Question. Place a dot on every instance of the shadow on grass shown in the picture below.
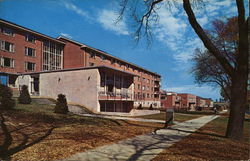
(8, 148)
(197, 132)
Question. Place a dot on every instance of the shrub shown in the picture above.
(151, 107)
(6, 101)
(61, 104)
(139, 107)
(24, 97)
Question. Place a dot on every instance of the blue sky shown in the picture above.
(93, 22)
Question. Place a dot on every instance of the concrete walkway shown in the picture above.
(143, 147)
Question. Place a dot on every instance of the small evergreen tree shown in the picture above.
(6, 101)
(151, 107)
(24, 97)
(61, 104)
(139, 107)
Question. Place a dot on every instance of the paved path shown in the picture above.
(143, 147)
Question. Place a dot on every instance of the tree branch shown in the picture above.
(205, 39)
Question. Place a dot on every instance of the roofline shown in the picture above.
(75, 69)
(29, 30)
(105, 53)
(9, 73)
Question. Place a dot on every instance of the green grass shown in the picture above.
(177, 116)
(35, 108)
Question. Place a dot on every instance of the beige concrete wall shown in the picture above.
(24, 80)
(80, 87)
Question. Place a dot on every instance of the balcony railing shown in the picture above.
(115, 96)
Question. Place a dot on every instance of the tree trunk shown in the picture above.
(238, 106)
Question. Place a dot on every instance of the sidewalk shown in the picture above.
(143, 147)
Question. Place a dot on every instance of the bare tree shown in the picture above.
(207, 70)
(144, 13)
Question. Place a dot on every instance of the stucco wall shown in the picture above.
(80, 87)
(24, 80)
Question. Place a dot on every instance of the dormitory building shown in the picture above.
(87, 76)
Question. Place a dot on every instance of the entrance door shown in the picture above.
(3, 79)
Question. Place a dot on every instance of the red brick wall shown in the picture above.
(73, 56)
(19, 53)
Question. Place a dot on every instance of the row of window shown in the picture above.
(10, 63)
(145, 87)
(28, 37)
(145, 80)
(10, 47)
(120, 64)
(143, 95)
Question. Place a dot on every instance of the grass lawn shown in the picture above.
(209, 143)
(34, 132)
(177, 116)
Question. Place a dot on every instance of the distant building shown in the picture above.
(184, 101)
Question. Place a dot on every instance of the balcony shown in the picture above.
(123, 96)
(157, 79)
(157, 85)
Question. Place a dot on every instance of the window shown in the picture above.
(144, 79)
(152, 88)
(119, 63)
(52, 56)
(30, 52)
(139, 87)
(143, 87)
(7, 31)
(103, 57)
(7, 46)
(148, 81)
(91, 64)
(112, 61)
(7, 62)
(92, 55)
(127, 66)
(30, 66)
(30, 38)
(139, 78)
(143, 95)
(148, 95)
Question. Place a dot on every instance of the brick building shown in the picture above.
(170, 100)
(26, 56)
(184, 101)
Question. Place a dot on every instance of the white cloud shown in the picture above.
(76, 9)
(203, 20)
(170, 28)
(107, 18)
(203, 91)
(66, 35)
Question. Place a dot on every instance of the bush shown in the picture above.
(139, 107)
(24, 97)
(151, 107)
(6, 101)
(61, 104)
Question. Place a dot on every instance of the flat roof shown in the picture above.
(29, 30)
(80, 68)
(105, 53)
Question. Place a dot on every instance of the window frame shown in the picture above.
(26, 66)
(27, 51)
(3, 46)
(11, 33)
(12, 62)
(27, 36)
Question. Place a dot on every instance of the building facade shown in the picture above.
(24, 51)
